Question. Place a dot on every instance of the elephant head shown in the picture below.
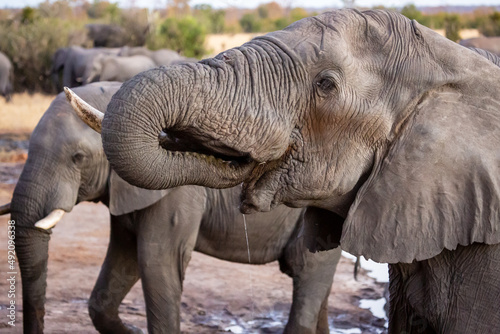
(66, 165)
(366, 114)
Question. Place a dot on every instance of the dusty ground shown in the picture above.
(218, 296)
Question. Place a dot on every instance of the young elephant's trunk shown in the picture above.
(146, 113)
(32, 250)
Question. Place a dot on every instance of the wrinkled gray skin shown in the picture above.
(75, 62)
(56, 72)
(117, 68)
(160, 57)
(6, 77)
(369, 115)
(152, 232)
(491, 44)
(488, 55)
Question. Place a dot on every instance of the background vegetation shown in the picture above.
(30, 36)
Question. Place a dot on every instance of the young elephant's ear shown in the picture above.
(125, 198)
(437, 187)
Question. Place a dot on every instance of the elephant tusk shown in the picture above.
(90, 115)
(5, 209)
(51, 220)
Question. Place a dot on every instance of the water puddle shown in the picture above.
(380, 272)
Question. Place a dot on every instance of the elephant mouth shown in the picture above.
(187, 142)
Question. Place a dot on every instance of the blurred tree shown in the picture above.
(101, 9)
(411, 12)
(30, 47)
(28, 15)
(184, 35)
(490, 25)
(263, 12)
(178, 8)
(135, 22)
(250, 23)
(452, 26)
(298, 14)
(212, 19)
(61, 9)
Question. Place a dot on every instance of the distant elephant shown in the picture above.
(107, 35)
(368, 115)
(491, 44)
(152, 232)
(6, 77)
(56, 71)
(160, 57)
(75, 63)
(116, 68)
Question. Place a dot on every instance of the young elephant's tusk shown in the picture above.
(51, 220)
(5, 209)
(90, 115)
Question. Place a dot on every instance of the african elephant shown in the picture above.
(160, 57)
(152, 232)
(75, 63)
(56, 71)
(116, 68)
(491, 44)
(106, 35)
(6, 77)
(368, 115)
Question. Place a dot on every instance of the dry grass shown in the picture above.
(221, 42)
(23, 112)
(464, 33)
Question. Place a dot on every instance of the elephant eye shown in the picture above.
(78, 158)
(326, 84)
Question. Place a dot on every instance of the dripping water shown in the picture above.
(246, 237)
(249, 262)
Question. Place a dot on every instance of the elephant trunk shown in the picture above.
(32, 247)
(140, 125)
(30, 204)
(32, 250)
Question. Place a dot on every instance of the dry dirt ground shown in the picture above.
(218, 296)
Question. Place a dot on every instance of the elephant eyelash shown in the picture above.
(326, 84)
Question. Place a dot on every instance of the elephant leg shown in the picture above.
(402, 317)
(118, 274)
(312, 275)
(167, 233)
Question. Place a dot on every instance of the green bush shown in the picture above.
(489, 25)
(30, 44)
(452, 26)
(250, 23)
(184, 35)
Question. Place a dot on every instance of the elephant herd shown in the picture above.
(75, 66)
(362, 131)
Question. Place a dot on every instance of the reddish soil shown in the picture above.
(218, 296)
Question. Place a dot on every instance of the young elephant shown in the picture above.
(366, 114)
(118, 68)
(152, 232)
(6, 77)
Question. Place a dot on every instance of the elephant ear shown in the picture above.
(437, 187)
(125, 198)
